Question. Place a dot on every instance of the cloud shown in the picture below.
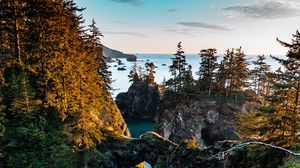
(204, 25)
(125, 33)
(132, 2)
(265, 9)
(178, 31)
(172, 10)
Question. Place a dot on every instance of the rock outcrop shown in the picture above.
(141, 101)
(110, 53)
(207, 121)
(160, 152)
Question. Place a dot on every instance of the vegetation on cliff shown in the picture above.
(278, 121)
(55, 100)
(56, 109)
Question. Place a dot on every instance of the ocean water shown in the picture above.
(121, 81)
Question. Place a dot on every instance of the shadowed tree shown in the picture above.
(177, 69)
(259, 75)
(207, 69)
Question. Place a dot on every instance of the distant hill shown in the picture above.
(111, 53)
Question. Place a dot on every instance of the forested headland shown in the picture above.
(56, 109)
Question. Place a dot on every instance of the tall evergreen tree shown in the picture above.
(150, 72)
(229, 65)
(94, 39)
(189, 81)
(259, 75)
(207, 69)
(134, 75)
(177, 69)
(241, 75)
(279, 121)
(221, 77)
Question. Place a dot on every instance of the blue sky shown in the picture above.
(156, 26)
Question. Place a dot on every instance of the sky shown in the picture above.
(156, 26)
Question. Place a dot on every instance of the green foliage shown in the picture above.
(207, 69)
(36, 144)
(291, 163)
(259, 76)
(54, 84)
(158, 164)
(278, 122)
(150, 72)
(135, 74)
(178, 70)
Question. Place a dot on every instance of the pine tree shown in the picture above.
(221, 77)
(21, 96)
(53, 84)
(279, 120)
(94, 39)
(207, 69)
(177, 69)
(150, 72)
(229, 66)
(134, 75)
(259, 75)
(189, 82)
(240, 72)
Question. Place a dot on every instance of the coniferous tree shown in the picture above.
(229, 67)
(221, 77)
(240, 71)
(259, 75)
(207, 69)
(134, 75)
(278, 122)
(189, 82)
(63, 65)
(177, 69)
(150, 72)
(94, 39)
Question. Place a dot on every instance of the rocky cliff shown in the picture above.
(110, 53)
(207, 121)
(160, 152)
(141, 101)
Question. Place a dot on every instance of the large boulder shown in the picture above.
(207, 121)
(141, 101)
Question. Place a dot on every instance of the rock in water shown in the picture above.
(141, 101)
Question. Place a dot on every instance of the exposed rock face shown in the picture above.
(141, 101)
(207, 121)
(160, 152)
(114, 121)
(110, 53)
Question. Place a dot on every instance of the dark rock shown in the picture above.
(109, 59)
(121, 69)
(130, 58)
(160, 152)
(207, 121)
(141, 101)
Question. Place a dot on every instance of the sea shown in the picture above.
(162, 62)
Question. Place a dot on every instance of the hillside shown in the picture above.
(111, 53)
